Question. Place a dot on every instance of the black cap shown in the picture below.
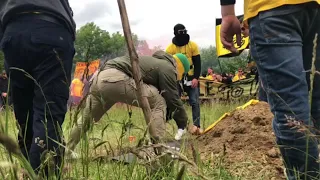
(178, 27)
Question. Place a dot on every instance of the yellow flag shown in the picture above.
(83, 67)
(221, 51)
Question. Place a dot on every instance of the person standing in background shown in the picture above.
(210, 74)
(181, 44)
(38, 41)
(262, 96)
(114, 83)
(281, 37)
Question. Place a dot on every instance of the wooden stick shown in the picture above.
(142, 98)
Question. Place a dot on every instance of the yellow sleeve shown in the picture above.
(75, 81)
(235, 78)
(195, 49)
(209, 77)
(170, 49)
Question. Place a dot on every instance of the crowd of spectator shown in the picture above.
(226, 77)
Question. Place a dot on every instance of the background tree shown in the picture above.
(94, 43)
(231, 65)
(91, 42)
(143, 48)
(209, 58)
(157, 48)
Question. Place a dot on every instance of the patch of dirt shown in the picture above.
(245, 141)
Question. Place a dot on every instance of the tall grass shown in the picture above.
(109, 137)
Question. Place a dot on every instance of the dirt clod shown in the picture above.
(273, 153)
(238, 130)
(247, 137)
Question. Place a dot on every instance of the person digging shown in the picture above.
(114, 83)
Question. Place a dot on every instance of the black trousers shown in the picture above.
(38, 60)
(4, 101)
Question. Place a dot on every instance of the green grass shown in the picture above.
(108, 137)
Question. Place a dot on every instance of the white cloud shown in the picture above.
(153, 20)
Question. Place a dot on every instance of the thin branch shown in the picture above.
(142, 98)
(178, 156)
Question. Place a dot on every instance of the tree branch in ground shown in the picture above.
(167, 150)
(142, 98)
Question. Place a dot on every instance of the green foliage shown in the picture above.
(93, 43)
(231, 65)
(209, 58)
(111, 137)
(90, 42)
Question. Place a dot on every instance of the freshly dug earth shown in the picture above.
(245, 143)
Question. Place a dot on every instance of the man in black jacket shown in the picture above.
(38, 44)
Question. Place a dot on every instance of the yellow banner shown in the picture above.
(216, 90)
(76, 87)
(82, 74)
(94, 65)
(221, 51)
(81, 69)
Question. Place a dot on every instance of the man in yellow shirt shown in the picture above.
(76, 90)
(211, 75)
(281, 35)
(238, 76)
(181, 44)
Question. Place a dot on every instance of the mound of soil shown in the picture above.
(246, 143)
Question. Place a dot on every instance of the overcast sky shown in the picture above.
(153, 20)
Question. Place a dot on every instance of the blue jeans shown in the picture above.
(262, 95)
(193, 94)
(282, 45)
(45, 51)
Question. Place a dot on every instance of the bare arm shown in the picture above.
(227, 7)
(227, 10)
(230, 25)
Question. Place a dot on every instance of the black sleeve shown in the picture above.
(197, 66)
(227, 2)
(67, 6)
(169, 91)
